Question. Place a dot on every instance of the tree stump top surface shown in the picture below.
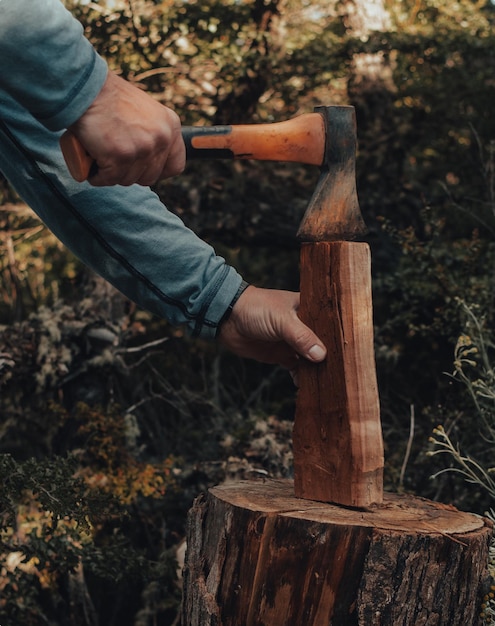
(397, 512)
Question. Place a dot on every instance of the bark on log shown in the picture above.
(259, 556)
(337, 438)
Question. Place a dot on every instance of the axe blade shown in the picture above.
(333, 213)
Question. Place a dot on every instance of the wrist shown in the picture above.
(242, 288)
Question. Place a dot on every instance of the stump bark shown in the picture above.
(259, 556)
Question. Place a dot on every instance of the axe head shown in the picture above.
(333, 213)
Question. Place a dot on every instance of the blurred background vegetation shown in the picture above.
(111, 421)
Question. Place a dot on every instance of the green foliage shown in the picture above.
(67, 526)
(464, 445)
(473, 369)
(435, 139)
(418, 303)
(35, 268)
(67, 529)
(218, 61)
(45, 482)
(72, 476)
(94, 496)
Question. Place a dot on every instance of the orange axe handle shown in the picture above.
(300, 140)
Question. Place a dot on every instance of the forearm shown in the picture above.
(125, 234)
(48, 65)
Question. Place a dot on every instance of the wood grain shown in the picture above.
(337, 438)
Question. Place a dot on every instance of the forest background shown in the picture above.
(111, 421)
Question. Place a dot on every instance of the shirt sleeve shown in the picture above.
(125, 234)
(48, 65)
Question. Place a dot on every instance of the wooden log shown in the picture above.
(337, 438)
(259, 556)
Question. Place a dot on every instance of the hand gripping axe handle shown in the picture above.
(326, 137)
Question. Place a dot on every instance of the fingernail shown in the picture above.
(316, 353)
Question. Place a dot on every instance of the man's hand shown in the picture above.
(131, 136)
(264, 326)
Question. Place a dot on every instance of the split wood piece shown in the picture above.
(258, 556)
(337, 438)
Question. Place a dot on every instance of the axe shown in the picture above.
(326, 137)
(337, 438)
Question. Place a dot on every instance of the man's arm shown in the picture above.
(48, 65)
(128, 236)
(53, 71)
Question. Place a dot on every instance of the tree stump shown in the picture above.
(259, 556)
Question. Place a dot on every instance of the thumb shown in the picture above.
(304, 341)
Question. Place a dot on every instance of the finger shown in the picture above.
(105, 178)
(110, 178)
(151, 174)
(304, 341)
(156, 172)
(110, 171)
(176, 161)
(272, 353)
(118, 168)
(125, 172)
(301, 338)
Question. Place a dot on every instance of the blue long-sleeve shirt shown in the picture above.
(48, 65)
(50, 74)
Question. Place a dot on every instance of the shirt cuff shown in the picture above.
(242, 288)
